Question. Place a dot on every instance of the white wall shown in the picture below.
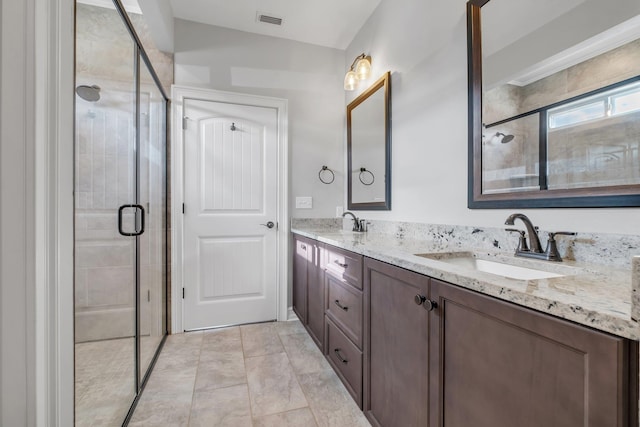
(159, 18)
(424, 45)
(17, 331)
(309, 76)
(36, 222)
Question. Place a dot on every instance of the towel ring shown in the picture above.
(333, 175)
(364, 171)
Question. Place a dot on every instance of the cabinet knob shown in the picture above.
(419, 299)
(430, 305)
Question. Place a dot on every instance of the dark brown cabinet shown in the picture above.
(396, 353)
(343, 317)
(308, 287)
(496, 364)
(301, 259)
(415, 351)
(346, 359)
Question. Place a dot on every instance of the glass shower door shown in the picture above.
(105, 179)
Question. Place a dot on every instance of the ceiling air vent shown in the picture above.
(267, 19)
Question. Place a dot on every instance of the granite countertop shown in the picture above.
(592, 295)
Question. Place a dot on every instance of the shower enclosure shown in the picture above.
(120, 215)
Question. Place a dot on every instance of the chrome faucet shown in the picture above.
(358, 224)
(550, 253)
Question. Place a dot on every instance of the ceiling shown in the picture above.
(330, 23)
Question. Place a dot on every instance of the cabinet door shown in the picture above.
(495, 364)
(300, 266)
(315, 296)
(396, 346)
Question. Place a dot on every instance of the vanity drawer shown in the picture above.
(345, 265)
(346, 360)
(344, 306)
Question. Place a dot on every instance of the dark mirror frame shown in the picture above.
(611, 196)
(383, 83)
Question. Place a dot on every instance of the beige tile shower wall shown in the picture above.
(579, 155)
(105, 134)
(105, 275)
(101, 30)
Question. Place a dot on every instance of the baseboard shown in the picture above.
(291, 315)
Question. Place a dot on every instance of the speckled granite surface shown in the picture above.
(595, 289)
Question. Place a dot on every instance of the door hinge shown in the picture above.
(182, 293)
(183, 209)
(148, 295)
(184, 123)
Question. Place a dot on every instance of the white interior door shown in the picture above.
(230, 196)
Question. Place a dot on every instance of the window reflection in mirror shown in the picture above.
(560, 104)
(368, 148)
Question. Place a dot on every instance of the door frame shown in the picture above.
(178, 96)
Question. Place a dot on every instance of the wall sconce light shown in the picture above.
(360, 70)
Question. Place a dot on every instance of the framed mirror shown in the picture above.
(369, 148)
(554, 103)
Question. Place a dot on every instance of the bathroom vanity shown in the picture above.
(418, 341)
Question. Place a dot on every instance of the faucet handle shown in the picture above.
(552, 234)
(552, 253)
(522, 243)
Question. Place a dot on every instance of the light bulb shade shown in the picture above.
(363, 68)
(350, 81)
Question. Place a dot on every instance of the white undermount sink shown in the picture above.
(471, 261)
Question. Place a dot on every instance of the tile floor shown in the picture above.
(104, 379)
(105, 382)
(265, 375)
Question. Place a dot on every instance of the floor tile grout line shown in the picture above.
(195, 380)
(295, 374)
(246, 375)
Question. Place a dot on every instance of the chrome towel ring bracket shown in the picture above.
(364, 178)
(325, 171)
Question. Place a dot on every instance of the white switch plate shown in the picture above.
(339, 211)
(304, 202)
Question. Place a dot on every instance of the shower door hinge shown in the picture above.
(182, 293)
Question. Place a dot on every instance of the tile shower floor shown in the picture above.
(270, 374)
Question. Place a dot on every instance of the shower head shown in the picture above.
(505, 138)
(89, 93)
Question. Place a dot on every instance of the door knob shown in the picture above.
(419, 299)
(270, 224)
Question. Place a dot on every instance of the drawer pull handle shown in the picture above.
(337, 302)
(303, 247)
(342, 359)
(341, 264)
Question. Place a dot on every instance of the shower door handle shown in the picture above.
(137, 208)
